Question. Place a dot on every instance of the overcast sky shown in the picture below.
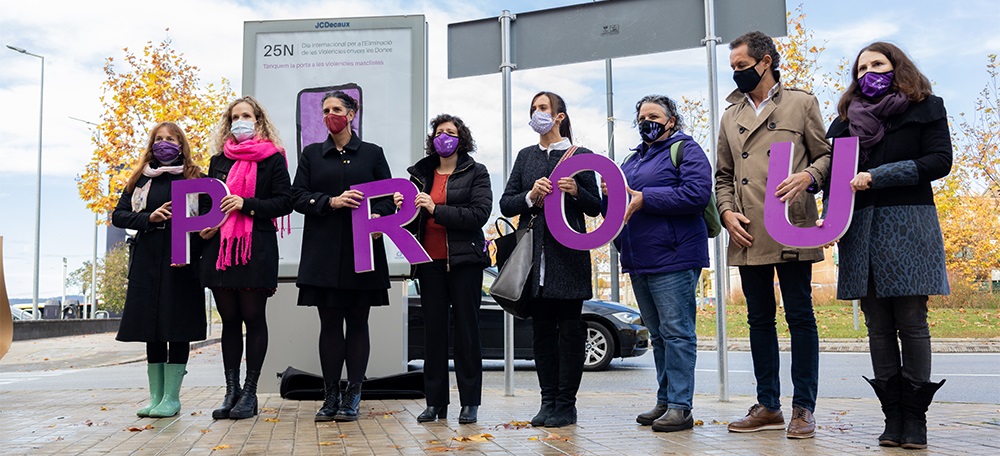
(948, 40)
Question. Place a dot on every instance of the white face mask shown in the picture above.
(242, 130)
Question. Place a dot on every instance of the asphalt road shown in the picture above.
(973, 377)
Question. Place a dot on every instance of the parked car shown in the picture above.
(614, 331)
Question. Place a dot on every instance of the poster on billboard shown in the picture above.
(290, 65)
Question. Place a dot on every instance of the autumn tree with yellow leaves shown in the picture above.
(158, 85)
(968, 199)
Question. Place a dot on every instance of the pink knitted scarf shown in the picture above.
(237, 231)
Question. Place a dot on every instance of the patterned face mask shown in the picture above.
(874, 85)
(541, 122)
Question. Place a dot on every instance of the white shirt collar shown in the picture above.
(770, 93)
(564, 144)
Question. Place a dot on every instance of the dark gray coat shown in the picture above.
(567, 271)
(162, 303)
(895, 237)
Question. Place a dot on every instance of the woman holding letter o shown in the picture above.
(560, 276)
(664, 247)
(905, 144)
(241, 256)
(326, 280)
(164, 303)
(455, 201)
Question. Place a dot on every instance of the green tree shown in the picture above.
(113, 278)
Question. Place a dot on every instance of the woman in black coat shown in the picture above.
(164, 304)
(241, 256)
(455, 200)
(560, 276)
(892, 256)
(326, 279)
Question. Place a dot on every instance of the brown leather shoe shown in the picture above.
(759, 418)
(802, 425)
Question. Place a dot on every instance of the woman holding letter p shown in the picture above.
(241, 257)
(326, 280)
(164, 303)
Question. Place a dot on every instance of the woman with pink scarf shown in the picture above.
(240, 261)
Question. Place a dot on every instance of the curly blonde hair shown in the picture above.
(263, 129)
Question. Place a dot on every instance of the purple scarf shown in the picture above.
(866, 119)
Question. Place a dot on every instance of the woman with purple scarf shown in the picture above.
(163, 302)
(892, 256)
(240, 261)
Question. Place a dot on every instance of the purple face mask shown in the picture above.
(445, 144)
(166, 151)
(874, 85)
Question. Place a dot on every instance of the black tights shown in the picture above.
(239, 307)
(157, 352)
(337, 348)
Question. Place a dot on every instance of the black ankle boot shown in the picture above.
(647, 418)
(246, 407)
(350, 403)
(233, 393)
(331, 402)
(916, 399)
(432, 413)
(545, 345)
(889, 393)
(469, 414)
(572, 354)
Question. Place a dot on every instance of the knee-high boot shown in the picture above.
(889, 393)
(545, 345)
(572, 340)
(917, 398)
(246, 407)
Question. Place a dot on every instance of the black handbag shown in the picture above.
(509, 290)
(505, 243)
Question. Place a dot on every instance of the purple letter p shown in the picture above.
(390, 225)
(185, 221)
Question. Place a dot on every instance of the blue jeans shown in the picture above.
(795, 280)
(666, 302)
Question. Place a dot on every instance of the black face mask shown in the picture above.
(748, 79)
(650, 131)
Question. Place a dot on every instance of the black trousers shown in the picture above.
(894, 322)
(443, 293)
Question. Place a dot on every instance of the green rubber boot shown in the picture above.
(155, 373)
(170, 405)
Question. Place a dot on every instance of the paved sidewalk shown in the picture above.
(99, 422)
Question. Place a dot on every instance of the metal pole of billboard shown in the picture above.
(505, 68)
(721, 270)
(611, 154)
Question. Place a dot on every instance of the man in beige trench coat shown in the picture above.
(763, 113)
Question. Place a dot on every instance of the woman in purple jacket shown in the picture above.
(664, 246)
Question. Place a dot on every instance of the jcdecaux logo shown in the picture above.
(328, 24)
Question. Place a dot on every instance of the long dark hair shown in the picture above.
(906, 77)
(466, 145)
(557, 106)
(191, 170)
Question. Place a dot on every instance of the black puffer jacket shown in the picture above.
(469, 201)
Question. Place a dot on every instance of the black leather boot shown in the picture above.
(331, 402)
(433, 412)
(350, 403)
(545, 345)
(889, 393)
(233, 393)
(246, 407)
(572, 354)
(469, 414)
(916, 399)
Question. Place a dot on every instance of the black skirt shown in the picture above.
(314, 296)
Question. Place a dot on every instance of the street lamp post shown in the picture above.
(38, 184)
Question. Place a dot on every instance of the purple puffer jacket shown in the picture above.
(668, 234)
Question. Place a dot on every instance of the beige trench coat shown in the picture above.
(745, 140)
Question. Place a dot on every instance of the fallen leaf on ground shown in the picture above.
(443, 449)
(555, 436)
(434, 442)
(88, 423)
(147, 427)
(533, 438)
(104, 409)
(268, 410)
(515, 425)
(220, 447)
(342, 436)
(134, 429)
(206, 431)
(271, 420)
(473, 438)
(327, 443)
(719, 422)
(699, 423)
(198, 413)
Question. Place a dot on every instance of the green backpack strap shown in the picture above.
(711, 214)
